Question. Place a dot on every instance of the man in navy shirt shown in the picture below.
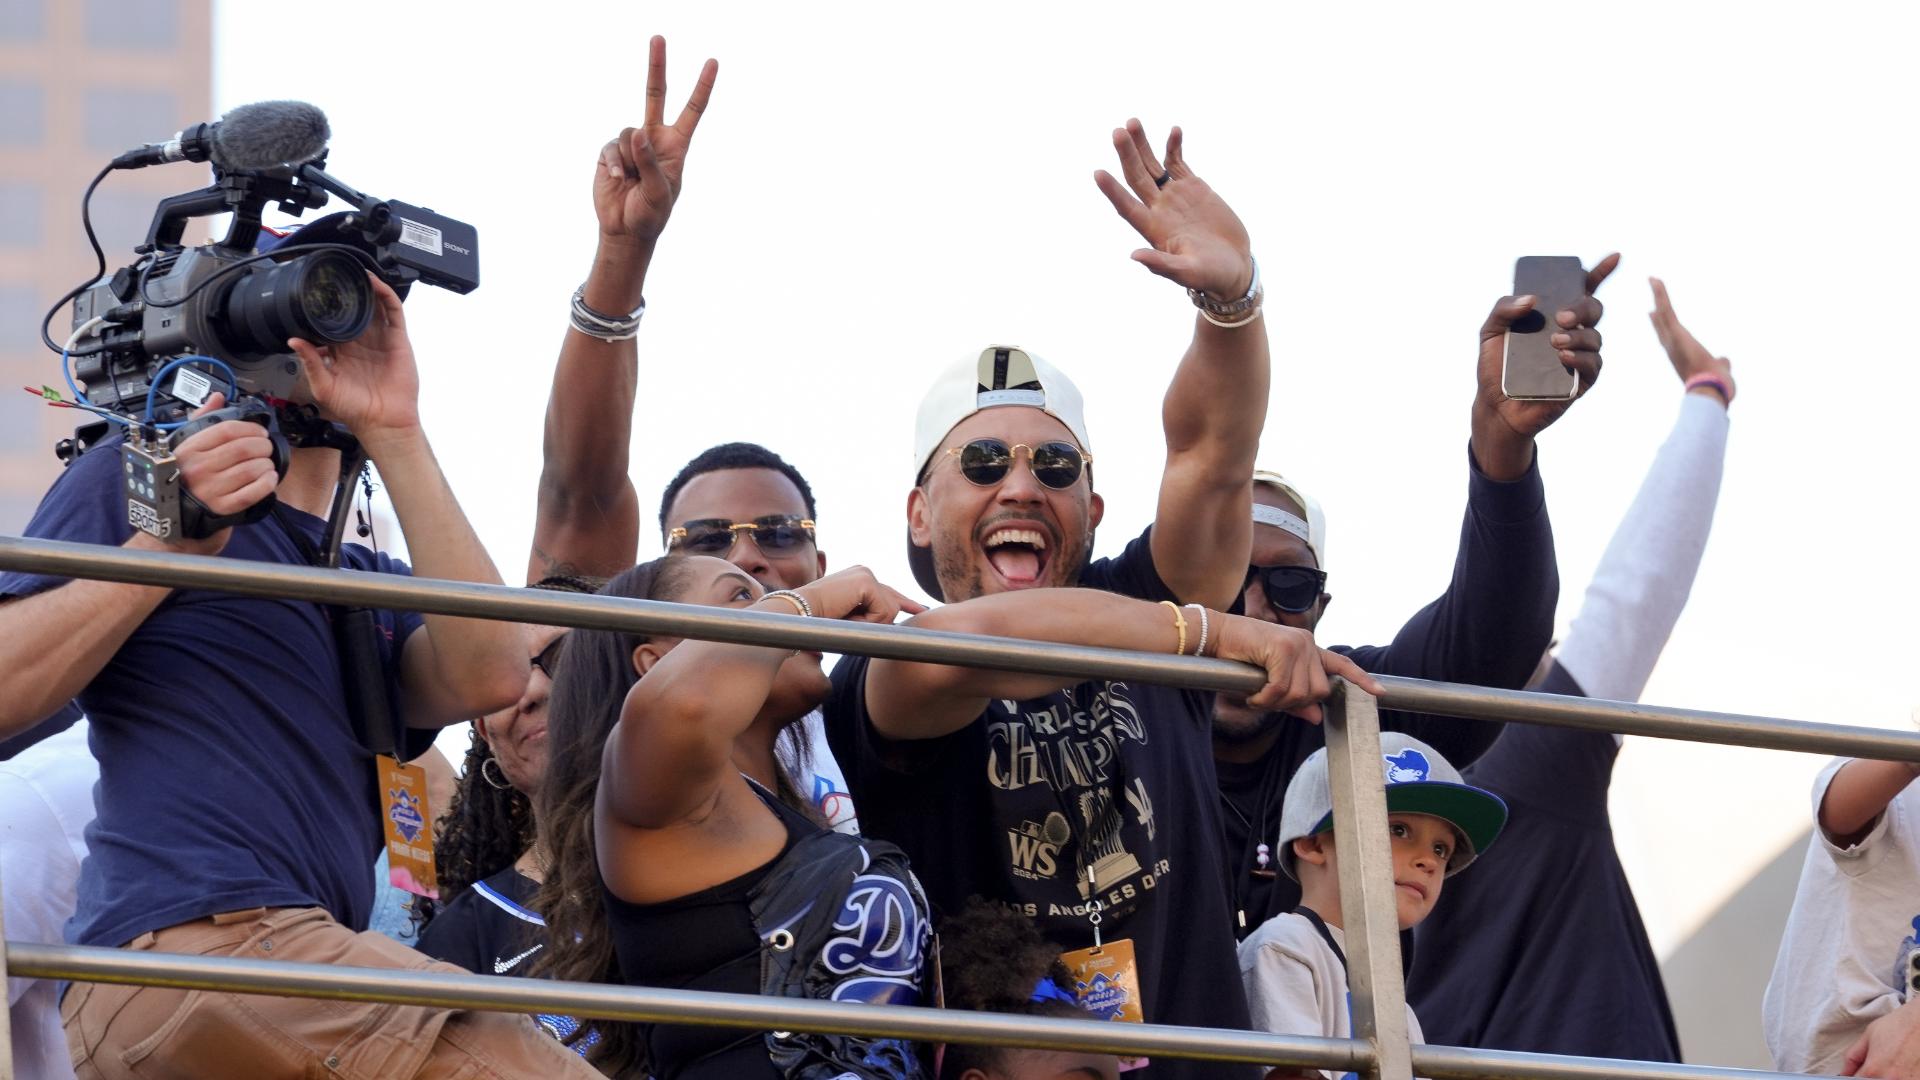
(237, 812)
(1488, 628)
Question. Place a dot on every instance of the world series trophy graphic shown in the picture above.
(1106, 858)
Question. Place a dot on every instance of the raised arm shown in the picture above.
(1217, 404)
(925, 701)
(1495, 618)
(1642, 582)
(1504, 429)
(452, 669)
(666, 757)
(587, 519)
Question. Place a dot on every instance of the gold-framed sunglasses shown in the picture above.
(986, 462)
(775, 534)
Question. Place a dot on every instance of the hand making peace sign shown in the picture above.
(638, 175)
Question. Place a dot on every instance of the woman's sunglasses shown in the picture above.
(986, 462)
(776, 535)
(548, 659)
(1292, 589)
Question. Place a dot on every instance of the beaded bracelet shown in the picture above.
(1200, 649)
(799, 602)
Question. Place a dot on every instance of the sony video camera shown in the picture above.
(154, 339)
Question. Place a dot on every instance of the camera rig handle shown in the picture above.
(160, 505)
(201, 522)
(244, 192)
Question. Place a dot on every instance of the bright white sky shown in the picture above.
(878, 189)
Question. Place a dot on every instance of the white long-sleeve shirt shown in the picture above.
(1642, 582)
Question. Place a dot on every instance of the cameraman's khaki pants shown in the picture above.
(143, 1031)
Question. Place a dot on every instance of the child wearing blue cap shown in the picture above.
(1294, 966)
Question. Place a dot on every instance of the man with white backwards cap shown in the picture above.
(1488, 628)
(1088, 806)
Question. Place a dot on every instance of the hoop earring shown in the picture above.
(498, 785)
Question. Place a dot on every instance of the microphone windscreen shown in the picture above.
(269, 133)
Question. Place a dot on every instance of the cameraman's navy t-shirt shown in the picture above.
(1116, 777)
(230, 775)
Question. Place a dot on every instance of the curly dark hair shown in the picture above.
(485, 831)
(991, 959)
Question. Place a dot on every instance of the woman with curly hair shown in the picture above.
(674, 865)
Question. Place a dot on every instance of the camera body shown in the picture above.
(119, 376)
(228, 302)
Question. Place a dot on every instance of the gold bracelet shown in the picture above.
(1180, 624)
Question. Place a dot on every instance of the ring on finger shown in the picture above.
(1161, 180)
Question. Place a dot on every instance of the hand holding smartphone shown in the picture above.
(1532, 369)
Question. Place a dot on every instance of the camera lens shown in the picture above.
(321, 296)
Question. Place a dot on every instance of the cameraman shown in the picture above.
(236, 805)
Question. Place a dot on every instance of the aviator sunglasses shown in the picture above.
(1291, 589)
(776, 534)
(986, 462)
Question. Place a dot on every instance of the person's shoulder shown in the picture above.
(370, 560)
(510, 892)
(1288, 933)
(1130, 573)
(85, 501)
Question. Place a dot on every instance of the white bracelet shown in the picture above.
(1201, 648)
(1244, 320)
(793, 598)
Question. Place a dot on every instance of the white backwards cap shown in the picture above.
(1313, 530)
(996, 376)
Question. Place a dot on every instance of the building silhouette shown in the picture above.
(80, 81)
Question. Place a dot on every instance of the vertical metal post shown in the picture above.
(1368, 909)
(6, 1020)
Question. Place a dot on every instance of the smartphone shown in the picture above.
(1531, 370)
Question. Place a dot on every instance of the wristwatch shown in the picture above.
(1227, 313)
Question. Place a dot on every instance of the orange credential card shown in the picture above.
(408, 822)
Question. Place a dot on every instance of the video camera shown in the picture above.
(218, 316)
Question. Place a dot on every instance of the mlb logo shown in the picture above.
(1409, 766)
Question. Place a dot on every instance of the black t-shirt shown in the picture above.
(1539, 945)
(489, 929)
(1116, 776)
(492, 929)
(1488, 629)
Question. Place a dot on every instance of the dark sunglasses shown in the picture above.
(986, 462)
(549, 659)
(1292, 589)
(776, 535)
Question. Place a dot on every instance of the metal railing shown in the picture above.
(1379, 1047)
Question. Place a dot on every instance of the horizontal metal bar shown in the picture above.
(432, 596)
(648, 1005)
(1461, 1063)
(435, 597)
(1658, 721)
